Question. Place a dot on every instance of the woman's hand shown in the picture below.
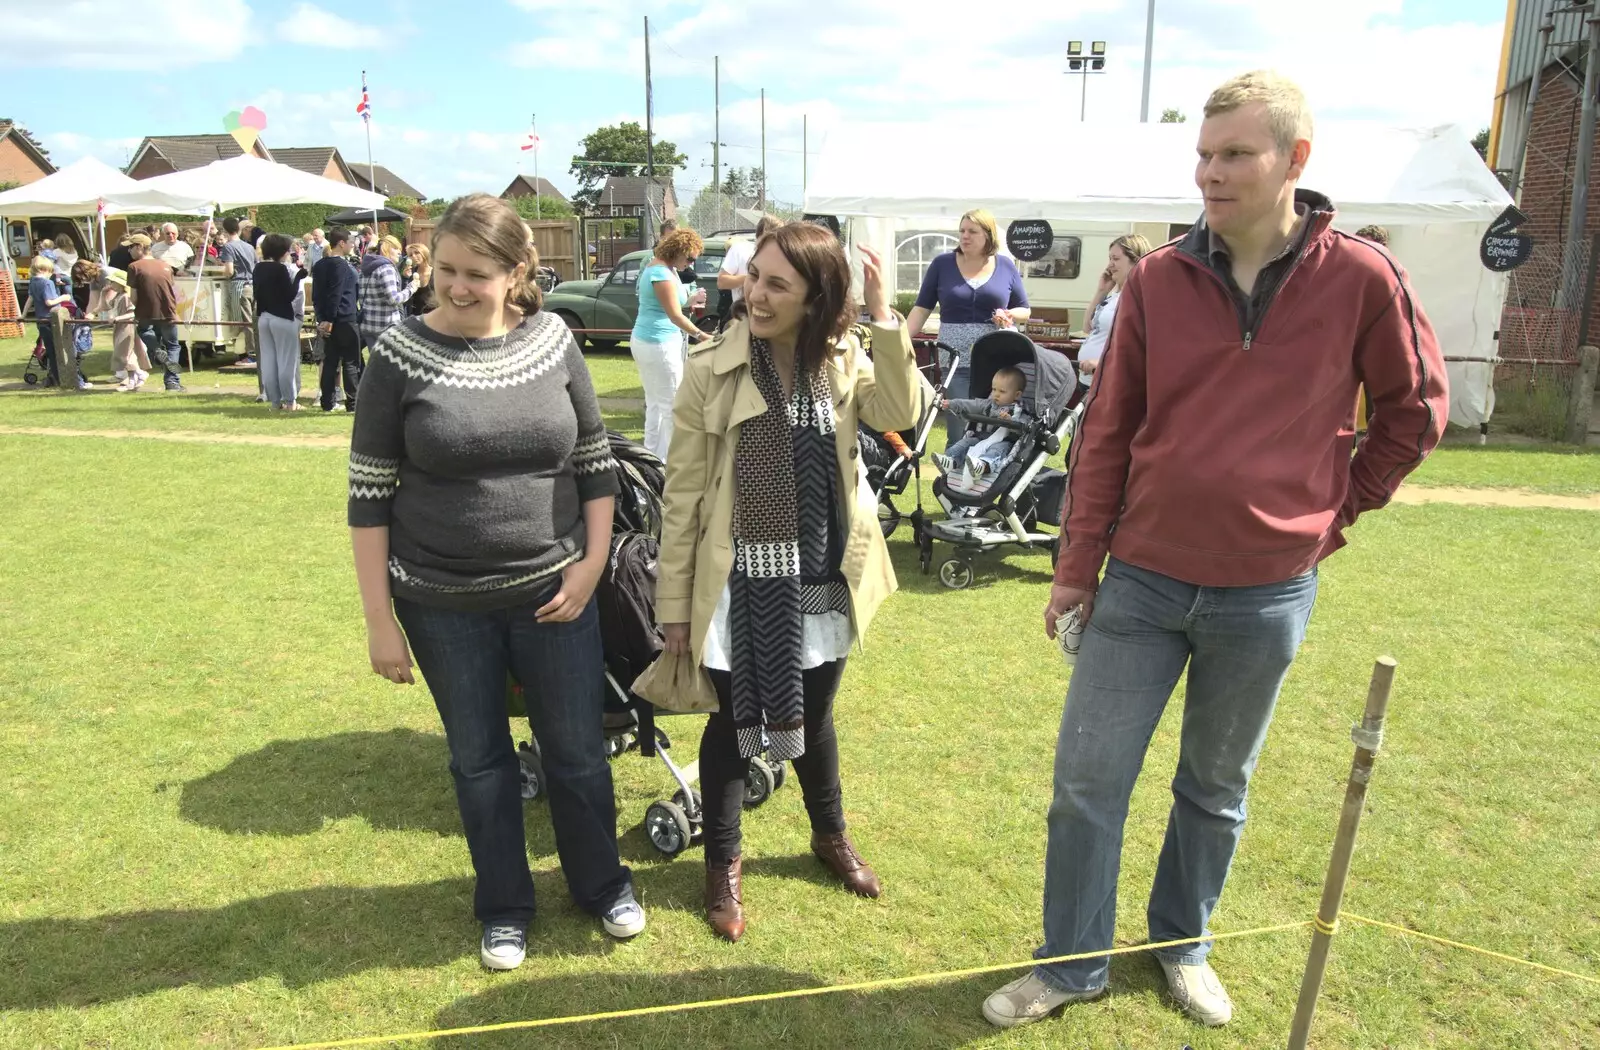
(1107, 282)
(677, 637)
(874, 294)
(578, 582)
(1003, 319)
(386, 648)
(1087, 367)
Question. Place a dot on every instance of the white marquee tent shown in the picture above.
(248, 181)
(1428, 186)
(79, 189)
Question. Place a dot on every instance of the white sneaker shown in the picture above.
(120, 374)
(1029, 999)
(624, 920)
(1199, 992)
(503, 947)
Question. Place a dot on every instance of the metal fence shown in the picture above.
(1547, 316)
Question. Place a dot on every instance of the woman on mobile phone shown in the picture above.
(1123, 256)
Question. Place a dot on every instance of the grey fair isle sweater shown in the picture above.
(479, 458)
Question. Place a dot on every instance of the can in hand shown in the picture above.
(1069, 634)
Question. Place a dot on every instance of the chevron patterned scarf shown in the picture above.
(787, 550)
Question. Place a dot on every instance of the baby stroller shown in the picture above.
(888, 472)
(38, 369)
(1022, 495)
(631, 642)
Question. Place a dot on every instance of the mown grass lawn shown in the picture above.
(217, 828)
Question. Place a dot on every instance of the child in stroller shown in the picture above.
(983, 449)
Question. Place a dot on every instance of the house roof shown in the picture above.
(542, 186)
(314, 160)
(629, 191)
(25, 142)
(389, 184)
(185, 152)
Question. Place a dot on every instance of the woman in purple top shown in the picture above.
(977, 291)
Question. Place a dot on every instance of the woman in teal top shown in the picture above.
(657, 341)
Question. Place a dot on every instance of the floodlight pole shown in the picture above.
(1149, 47)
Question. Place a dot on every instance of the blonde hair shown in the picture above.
(490, 226)
(1134, 245)
(1288, 115)
(42, 265)
(681, 243)
(47, 245)
(391, 241)
(981, 218)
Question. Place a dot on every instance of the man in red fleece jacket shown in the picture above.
(1213, 465)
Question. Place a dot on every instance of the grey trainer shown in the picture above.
(1029, 999)
(1199, 992)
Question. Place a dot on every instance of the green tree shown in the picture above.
(548, 208)
(621, 149)
(756, 182)
(1173, 116)
(8, 186)
(735, 183)
(1480, 142)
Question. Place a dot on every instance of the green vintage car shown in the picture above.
(612, 301)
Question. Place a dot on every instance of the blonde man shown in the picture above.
(1268, 318)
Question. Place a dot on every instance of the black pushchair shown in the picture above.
(631, 641)
(1009, 509)
(889, 472)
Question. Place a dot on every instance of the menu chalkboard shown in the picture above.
(1030, 239)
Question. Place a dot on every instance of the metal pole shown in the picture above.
(716, 137)
(538, 213)
(1083, 97)
(372, 171)
(805, 155)
(1149, 47)
(1571, 264)
(1368, 737)
(763, 205)
(649, 144)
(1519, 159)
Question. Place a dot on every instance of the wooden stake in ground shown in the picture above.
(1368, 737)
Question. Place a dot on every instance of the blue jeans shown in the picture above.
(465, 657)
(161, 343)
(1238, 643)
(995, 455)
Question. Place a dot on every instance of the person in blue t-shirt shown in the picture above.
(43, 296)
(977, 292)
(657, 340)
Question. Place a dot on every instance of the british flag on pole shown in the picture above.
(364, 108)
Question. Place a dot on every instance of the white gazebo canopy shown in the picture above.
(248, 181)
(79, 189)
(1428, 186)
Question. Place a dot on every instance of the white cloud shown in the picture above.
(125, 34)
(313, 26)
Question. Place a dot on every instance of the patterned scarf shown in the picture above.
(787, 549)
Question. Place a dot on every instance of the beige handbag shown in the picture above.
(677, 683)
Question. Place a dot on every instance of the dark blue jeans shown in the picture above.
(465, 657)
(1237, 643)
(161, 343)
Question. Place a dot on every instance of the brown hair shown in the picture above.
(1134, 245)
(818, 257)
(490, 226)
(680, 244)
(1288, 115)
(981, 218)
(85, 270)
(766, 225)
(1377, 234)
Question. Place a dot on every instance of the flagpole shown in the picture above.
(537, 214)
(372, 171)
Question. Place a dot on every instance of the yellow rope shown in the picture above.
(767, 997)
(1470, 948)
(1327, 929)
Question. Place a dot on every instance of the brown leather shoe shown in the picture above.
(725, 898)
(839, 854)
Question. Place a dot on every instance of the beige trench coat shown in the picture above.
(717, 395)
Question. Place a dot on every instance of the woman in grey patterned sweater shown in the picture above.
(481, 491)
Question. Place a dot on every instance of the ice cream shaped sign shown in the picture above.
(245, 126)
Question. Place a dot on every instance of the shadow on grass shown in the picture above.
(935, 1015)
(988, 569)
(301, 937)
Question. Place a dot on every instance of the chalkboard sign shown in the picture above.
(1030, 239)
(1502, 249)
(1506, 251)
(829, 221)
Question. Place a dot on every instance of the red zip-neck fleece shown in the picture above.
(1215, 447)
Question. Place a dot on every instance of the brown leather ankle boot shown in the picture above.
(839, 854)
(725, 898)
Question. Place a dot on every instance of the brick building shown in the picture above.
(317, 160)
(162, 155)
(22, 160)
(1540, 157)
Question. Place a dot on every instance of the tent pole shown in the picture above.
(199, 279)
(372, 172)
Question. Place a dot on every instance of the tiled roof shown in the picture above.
(389, 184)
(529, 186)
(184, 152)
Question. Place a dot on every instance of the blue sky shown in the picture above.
(453, 87)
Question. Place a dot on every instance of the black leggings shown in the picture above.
(722, 771)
